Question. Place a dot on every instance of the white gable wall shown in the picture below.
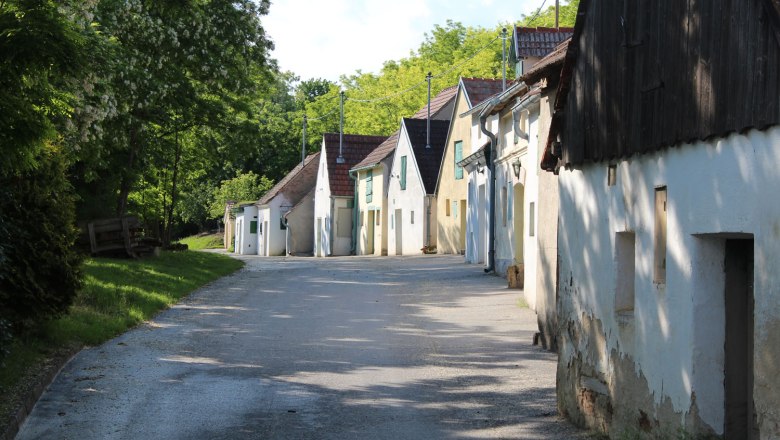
(408, 201)
(478, 200)
(670, 348)
(322, 208)
(246, 241)
(271, 239)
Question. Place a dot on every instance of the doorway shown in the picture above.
(318, 238)
(398, 235)
(740, 417)
(518, 222)
(370, 233)
(481, 224)
(462, 242)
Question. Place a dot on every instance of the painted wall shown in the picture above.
(450, 191)
(322, 209)
(478, 199)
(660, 366)
(410, 200)
(272, 238)
(300, 227)
(246, 241)
(341, 221)
(378, 204)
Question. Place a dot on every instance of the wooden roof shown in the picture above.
(673, 72)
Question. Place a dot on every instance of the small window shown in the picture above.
(455, 208)
(531, 222)
(659, 238)
(612, 175)
(362, 222)
(253, 227)
(625, 268)
(447, 207)
(378, 216)
(412, 216)
(458, 158)
(504, 204)
(369, 186)
(403, 172)
(510, 200)
(350, 204)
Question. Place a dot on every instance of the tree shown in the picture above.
(567, 15)
(247, 187)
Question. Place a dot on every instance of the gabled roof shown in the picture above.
(428, 159)
(551, 61)
(386, 149)
(297, 182)
(438, 103)
(538, 42)
(480, 89)
(355, 149)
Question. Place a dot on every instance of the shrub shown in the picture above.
(39, 268)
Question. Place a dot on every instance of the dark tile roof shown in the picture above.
(538, 42)
(550, 61)
(438, 103)
(428, 159)
(297, 183)
(356, 148)
(480, 89)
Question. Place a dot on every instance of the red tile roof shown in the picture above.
(428, 159)
(297, 183)
(538, 42)
(438, 103)
(480, 89)
(355, 149)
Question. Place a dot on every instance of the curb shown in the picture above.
(14, 424)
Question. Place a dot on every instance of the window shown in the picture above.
(625, 268)
(369, 186)
(659, 239)
(612, 175)
(253, 227)
(362, 222)
(412, 217)
(447, 207)
(510, 201)
(531, 222)
(378, 216)
(458, 158)
(455, 208)
(403, 172)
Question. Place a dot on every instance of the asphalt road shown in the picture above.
(301, 348)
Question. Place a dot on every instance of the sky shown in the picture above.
(330, 38)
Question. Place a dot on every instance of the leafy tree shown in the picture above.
(242, 188)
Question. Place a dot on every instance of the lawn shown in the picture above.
(117, 295)
(203, 241)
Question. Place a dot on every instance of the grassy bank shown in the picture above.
(203, 241)
(117, 295)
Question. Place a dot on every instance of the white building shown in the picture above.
(410, 195)
(669, 226)
(335, 191)
(246, 229)
(273, 229)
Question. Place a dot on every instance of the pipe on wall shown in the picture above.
(491, 165)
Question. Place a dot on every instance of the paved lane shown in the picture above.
(304, 348)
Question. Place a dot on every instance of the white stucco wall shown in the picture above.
(272, 238)
(378, 204)
(246, 242)
(300, 227)
(675, 334)
(322, 209)
(411, 199)
(478, 215)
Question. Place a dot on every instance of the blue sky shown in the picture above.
(328, 38)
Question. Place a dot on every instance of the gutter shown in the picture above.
(330, 230)
(483, 115)
(533, 97)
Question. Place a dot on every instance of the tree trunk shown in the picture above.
(169, 223)
(128, 176)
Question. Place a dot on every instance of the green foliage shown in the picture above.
(244, 187)
(567, 15)
(39, 269)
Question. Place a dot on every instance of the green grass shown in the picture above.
(203, 241)
(117, 295)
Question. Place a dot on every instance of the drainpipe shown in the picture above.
(330, 231)
(492, 180)
(353, 248)
(286, 236)
(428, 222)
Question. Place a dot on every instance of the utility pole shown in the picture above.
(503, 59)
(340, 159)
(556, 14)
(428, 123)
(303, 145)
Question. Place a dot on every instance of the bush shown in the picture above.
(39, 268)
